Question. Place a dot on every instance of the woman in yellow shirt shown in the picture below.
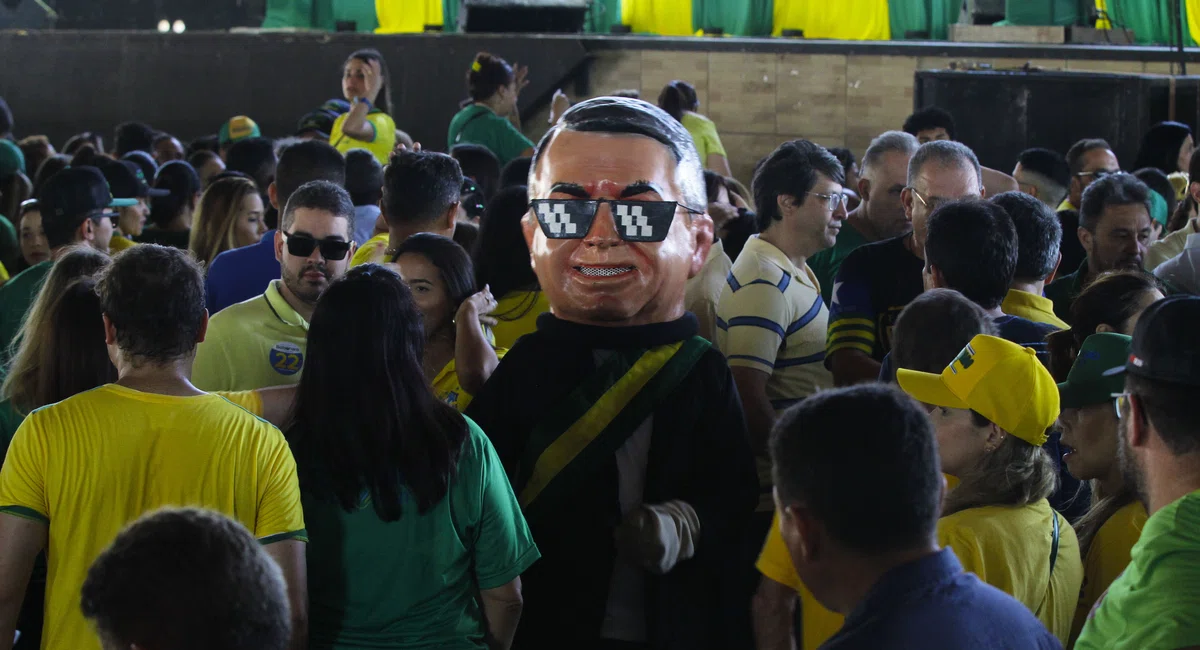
(1110, 528)
(369, 124)
(993, 407)
(679, 99)
(458, 358)
(502, 264)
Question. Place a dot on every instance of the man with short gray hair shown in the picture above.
(878, 280)
(880, 215)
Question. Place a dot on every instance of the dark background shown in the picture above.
(998, 113)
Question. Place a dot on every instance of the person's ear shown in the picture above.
(1194, 190)
(906, 198)
(273, 195)
(279, 243)
(864, 189)
(702, 233)
(1139, 425)
(203, 328)
(450, 219)
(786, 204)
(995, 437)
(86, 231)
(1057, 264)
(1085, 238)
(110, 332)
(801, 533)
(1076, 187)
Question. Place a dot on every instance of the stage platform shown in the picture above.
(758, 91)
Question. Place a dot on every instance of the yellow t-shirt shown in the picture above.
(119, 243)
(704, 135)
(817, 624)
(372, 250)
(447, 388)
(381, 147)
(516, 315)
(1009, 548)
(1032, 307)
(254, 344)
(89, 465)
(1107, 557)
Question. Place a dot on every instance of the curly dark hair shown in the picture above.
(154, 297)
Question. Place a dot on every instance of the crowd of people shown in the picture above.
(337, 390)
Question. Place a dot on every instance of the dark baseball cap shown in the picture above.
(77, 192)
(1164, 346)
(127, 181)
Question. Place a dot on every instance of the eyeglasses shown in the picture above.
(636, 221)
(833, 201)
(1098, 174)
(933, 203)
(1121, 404)
(302, 245)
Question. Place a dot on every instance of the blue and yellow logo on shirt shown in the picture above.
(286, 358)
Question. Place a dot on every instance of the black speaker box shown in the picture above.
(999, 114)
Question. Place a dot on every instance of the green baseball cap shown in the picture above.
(238, 128)
(1087, 384)
(11, 158)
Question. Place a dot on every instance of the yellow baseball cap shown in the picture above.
(998, 379)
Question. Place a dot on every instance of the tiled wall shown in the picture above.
(759, 100)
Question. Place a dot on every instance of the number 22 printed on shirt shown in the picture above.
(286, 358)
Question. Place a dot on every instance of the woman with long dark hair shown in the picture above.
(1111, 303)
(502, 264)
(367, 85)
(458, 359)
(171, 215)
(679, 99)
(1089, 423)
(415, 537)
(490, 116)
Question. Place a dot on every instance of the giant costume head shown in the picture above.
(617, 222)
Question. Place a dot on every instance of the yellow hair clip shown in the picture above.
(476, 67)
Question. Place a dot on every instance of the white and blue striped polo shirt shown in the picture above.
(771, 318)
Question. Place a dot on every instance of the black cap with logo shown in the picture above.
(76, 193)
(1164, 346)
(127, 181)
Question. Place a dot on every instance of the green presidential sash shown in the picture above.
(582, 432)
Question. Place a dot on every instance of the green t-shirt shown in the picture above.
(411, 583)
(477, 124)
(1155, 603)
(1063, 291)
(825, 264)
(16, 296)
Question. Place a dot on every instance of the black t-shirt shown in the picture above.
(876, 282)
